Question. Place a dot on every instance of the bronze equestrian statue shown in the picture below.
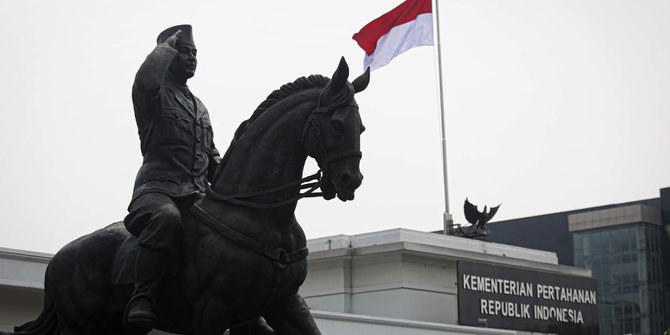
(241, 254)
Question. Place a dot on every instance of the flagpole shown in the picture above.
(448, 223)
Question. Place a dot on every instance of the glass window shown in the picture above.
(626, 262)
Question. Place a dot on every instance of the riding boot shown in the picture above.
(150, 269)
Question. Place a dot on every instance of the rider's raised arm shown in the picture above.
(151, 74)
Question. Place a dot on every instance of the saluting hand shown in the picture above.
(172, 40)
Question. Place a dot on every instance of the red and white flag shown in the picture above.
(407, 26)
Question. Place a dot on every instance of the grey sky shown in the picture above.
(550, 105)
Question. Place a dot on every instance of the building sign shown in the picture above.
(503, 297)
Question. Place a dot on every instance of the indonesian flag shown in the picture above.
(407, 26)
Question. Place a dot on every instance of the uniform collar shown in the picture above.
(183, 95)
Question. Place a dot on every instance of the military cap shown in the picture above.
(185, 37)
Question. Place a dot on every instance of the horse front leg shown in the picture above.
(211, 316)
(292, 317)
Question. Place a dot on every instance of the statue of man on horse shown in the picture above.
(209, 244)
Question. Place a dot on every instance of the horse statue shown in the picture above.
(243, 253)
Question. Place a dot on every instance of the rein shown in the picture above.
(304, 183)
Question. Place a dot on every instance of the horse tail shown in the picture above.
(45, 324)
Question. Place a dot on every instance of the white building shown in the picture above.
(390, 282)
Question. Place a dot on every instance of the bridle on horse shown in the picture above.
(324, 158)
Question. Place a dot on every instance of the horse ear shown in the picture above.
(340, 76)
(362, 81)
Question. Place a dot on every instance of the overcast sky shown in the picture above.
(551, 105)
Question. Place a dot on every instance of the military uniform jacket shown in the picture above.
(175, 131)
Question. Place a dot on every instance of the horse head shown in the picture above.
(332, 134)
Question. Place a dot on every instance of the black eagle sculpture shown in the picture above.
(477, 218)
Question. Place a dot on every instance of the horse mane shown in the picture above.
(286, 90)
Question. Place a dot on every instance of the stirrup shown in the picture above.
(145, 323)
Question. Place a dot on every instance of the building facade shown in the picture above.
(624, 245)
(397, 282)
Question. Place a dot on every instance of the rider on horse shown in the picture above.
(236, 259)
(179, 158)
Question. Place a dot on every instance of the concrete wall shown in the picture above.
(341, 323)
(18, 305)
(21, 284)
